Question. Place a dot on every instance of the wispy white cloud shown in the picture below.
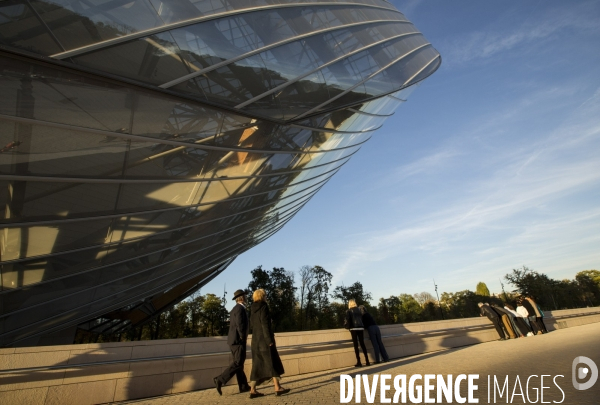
(507, 36)
(424, 165)
(529, 180)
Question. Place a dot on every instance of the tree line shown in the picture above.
(306, 300)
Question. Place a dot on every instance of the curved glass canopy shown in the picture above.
(144, 144)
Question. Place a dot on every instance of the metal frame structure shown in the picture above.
(144, 144)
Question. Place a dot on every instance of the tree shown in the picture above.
(593, 275)
(194, 305)
(214, 313)
(533, 284)
(482, 289)
(424, 297)
(399, 309)
(338, 313)
(355, 291)
(589, 284)
(281, 295)
(307, 282)
(313, 297)
(389, 309)
(410, 309)
(320, 295)
(463, 304)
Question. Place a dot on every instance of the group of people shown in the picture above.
(266, 363)
(510, 323)
(357, 320)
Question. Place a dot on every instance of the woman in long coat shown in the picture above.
(266, 363)
(354, 323)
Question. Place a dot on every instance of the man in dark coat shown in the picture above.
(539, 315)
(533, 320)
(486, 310)
(236, 339)
(509, 317)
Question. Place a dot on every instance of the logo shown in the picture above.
(580, 373)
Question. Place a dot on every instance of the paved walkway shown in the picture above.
(551, 354)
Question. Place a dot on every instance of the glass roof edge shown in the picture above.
(192, 21)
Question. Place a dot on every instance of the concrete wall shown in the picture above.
(100, 373)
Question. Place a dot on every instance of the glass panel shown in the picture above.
(432, 67)
(154, 59)
(285, 63)
(400, 72)
(20, 28)
(52, 95)
(77, 23)
(118, 271)
(32, 271)
(381, 106)
(40, 240)
(237, 82)
(44, 151)
(171, 11)
(173, 119)
(208, 43)
(238, 128)
(38, 201)
(387, 105)
(297, 138)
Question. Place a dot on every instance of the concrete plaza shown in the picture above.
(550, 355)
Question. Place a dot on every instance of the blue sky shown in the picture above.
(493, 163)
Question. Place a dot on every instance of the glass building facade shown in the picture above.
(144, 144)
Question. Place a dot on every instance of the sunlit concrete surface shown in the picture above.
(551, 354)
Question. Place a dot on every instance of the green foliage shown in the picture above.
(557, 294)
(423, 298)
(589, 282)
(338, 313)
(314, 311)
(550, 293)
(463, 304)
(205, 315)
(405, 308)
(281, 295)
(355, 291)
(482, 289)
(214, 314)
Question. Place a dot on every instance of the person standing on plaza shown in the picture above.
(374, 334)
(510, 320)
(354, 323)
(266, 363)
(236, 339)
(504, 319)
(486, 310)
(539, 315)
(535, 325)
(525, 314)
(519, 320)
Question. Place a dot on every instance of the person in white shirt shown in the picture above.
(522, 315)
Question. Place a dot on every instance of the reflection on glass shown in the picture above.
(20, 27)
(116, 190)
(79, 23)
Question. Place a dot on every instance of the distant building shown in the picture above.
(144, 144)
